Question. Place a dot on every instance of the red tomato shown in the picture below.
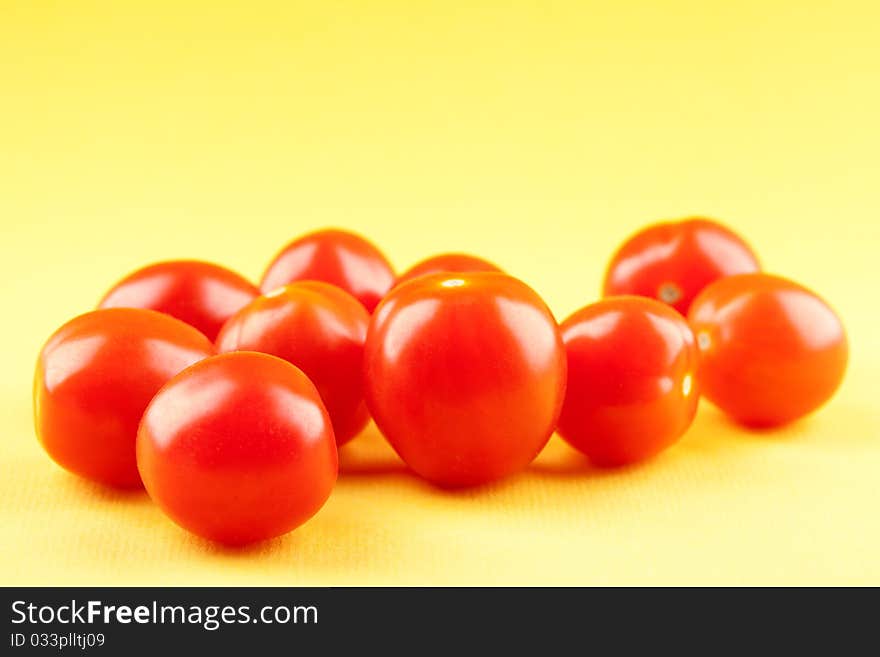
(673, 261)
(631, 379)
(319, 328)
(201, 294)
(771, 350)
(238, 448)
(447, 263)
(96, 375)
(464, 375)
(336, 257)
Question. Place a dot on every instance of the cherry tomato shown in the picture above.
(631, 379)
(464, 375)
(238, 448)
(447, 263)
(673, 261)
(201, 294)
(96, 375)
(337, 257)
(771, 350)
(319, 328)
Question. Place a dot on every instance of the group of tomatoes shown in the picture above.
(227, 402)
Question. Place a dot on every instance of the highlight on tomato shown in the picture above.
(771, 350)
(321, 329)
(238, 448)
(338, 257)
(94, 378)
(202, 294)
(464, 375)
(449, 263)
(672, 261)
(632, 387)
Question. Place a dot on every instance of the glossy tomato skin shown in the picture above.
(673, 261)
(464, 375)
(202, 294)
(338, 257)
(321, 329)
(94, 378)
(238, 448)
(632, 388)
(771, 350)
(447, 263)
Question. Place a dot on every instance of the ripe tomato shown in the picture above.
(673, 261)
(238, 448)
(464, 375)
(771, 350)
(336, 257)
(631, 379)
(319, 328)
(96, 375)
(201, 294)
(447, 263)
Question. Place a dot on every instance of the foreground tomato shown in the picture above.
(673, 261)
(336, 257)
(201, 294)
(631, 379)
(464, 375)
(771, 350)
(319, 328)
(238, 448)
(447, 263)
(96, 375)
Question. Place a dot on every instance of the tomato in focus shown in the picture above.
(673, 261)
(319, 328)
(771, 350)
(447, 263)
(238, 448)
(338, 257)
(202, 294)
(464, 375)
(94, 378)
(632, 390)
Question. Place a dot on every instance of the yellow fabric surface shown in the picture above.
(538, 134)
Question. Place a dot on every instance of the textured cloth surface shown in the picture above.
(536, 134)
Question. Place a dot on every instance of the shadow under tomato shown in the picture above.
(369, 455)
(85, 489)
(488, 489)
(560, 460)
(714, 420)
(258, 548)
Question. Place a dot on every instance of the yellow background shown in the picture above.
(538, 134)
